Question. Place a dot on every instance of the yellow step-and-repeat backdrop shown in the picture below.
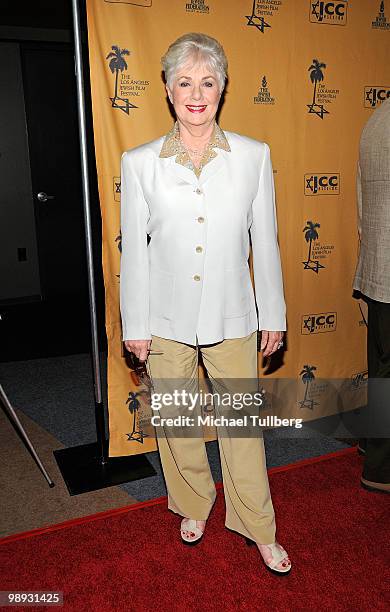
(304, 76)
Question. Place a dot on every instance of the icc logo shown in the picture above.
(374, 96)
(319, 323)
(322, 184)
(330, 13)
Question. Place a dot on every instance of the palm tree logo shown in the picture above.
(316, 75)
(311, 234)
(256, 21)
(359, 379)
(133, 404)
(307, 379)
(117, 63)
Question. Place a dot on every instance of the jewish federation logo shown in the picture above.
(322, 183)
(328, 13)
(116, 186)
(262, 10)
(374, 95)
(264, 95)
(319, 323)
(307, 376)
(381, 22)
(197, 6)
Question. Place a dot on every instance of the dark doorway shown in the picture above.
(56, 322)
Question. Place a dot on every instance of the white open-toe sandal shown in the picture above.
(278, 554)
(189, 525)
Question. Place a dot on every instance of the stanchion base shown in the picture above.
(82, 470)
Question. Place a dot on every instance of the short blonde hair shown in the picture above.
(197, 47)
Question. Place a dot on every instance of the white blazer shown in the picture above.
(192, 282)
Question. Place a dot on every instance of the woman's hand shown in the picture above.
(140, 348)
(270, 342)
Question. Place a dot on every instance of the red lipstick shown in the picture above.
(194, 108)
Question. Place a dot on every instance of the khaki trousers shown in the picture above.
(190, 485)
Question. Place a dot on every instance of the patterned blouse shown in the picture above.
(172, 146)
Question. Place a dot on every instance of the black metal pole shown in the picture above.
(99, 408)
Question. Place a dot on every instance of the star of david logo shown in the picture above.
(309, 184)
(123, 104)
(317, 109)
(314, 10)
(137, 436)
(308, 403)
(369, 96)
(257, 22)
(306, 325)
(312, 265)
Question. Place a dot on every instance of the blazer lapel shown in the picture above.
(208, 171)
(181, 172)
(214, 166)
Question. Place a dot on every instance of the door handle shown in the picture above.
(43, 197)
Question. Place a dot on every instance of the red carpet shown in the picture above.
(336, 533)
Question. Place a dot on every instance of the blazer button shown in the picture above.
(198, 249)
(198, 191)
(196, 277)
(200, 219)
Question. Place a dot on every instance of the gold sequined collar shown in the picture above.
(173, 146)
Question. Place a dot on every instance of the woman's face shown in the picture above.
(195, 94)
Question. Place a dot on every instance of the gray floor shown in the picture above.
(57, 393)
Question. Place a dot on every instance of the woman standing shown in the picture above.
(198, 192)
